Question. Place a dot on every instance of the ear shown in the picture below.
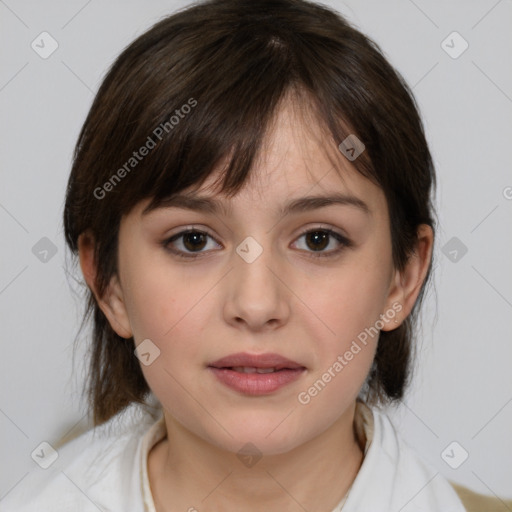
(406, 285)
(112, 303)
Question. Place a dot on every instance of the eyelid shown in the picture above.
(189, 228)
(323, 226)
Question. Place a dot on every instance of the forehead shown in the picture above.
(298, 158)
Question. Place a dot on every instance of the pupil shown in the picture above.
(197, 240)
(317, 236)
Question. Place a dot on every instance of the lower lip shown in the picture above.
(256, 383)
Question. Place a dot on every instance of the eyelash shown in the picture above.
(345, 243)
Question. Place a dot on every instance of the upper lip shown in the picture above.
(267, 360)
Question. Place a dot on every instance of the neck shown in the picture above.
(191, 473)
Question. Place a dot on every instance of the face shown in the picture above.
(254, 278)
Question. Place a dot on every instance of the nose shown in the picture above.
(257, 298)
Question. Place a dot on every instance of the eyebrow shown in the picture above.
(301, 204)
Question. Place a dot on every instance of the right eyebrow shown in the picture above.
(189, 202)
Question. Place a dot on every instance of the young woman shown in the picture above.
(250, 202)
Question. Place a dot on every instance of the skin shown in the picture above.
(286, 301)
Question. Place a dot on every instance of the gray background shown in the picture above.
(463, 385)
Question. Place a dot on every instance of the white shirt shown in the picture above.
(105, 469)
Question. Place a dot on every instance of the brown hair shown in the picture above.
(231, 62)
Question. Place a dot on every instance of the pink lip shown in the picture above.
(286, 372)
(268, 360)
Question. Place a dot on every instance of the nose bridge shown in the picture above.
(253, 267)
(256, 293)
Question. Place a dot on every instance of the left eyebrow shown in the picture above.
(304, 204)
(298, 205)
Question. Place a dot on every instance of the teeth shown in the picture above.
(244, 369)
(266, 370)
(249, 369)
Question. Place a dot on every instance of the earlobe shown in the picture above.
(407, 284)
(113, 306)
(112, 302)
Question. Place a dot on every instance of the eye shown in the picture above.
(319, 238)
(191, 243)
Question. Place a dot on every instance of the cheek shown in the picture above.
(348, 307)
(162, 299)
(173, 312)
(347, 301)
(172, 308)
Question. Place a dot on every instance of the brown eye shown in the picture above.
(188, 244)
(317, 240)
(194, 240)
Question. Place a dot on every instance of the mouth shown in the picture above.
(256, 374)
(252, 363)
(249, 369)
